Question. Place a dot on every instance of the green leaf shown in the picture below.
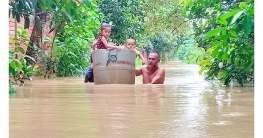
(35, 68)
(13, 39)
(225, 56)
(233, 33)
(203, 62)
(12, 71)
(243, 5)
(216, 44)
(72, 12)
(29, 58)
(216, 51)
(248, 23)
(21, 28)
(19, 49)
(33, 3)
(222, 37)
(236, 16)
(12, 64)
(67, 16)
(180, 2)
(24, 33)
(251, 10)
(29, 67)
(43, 4)
(201, 70)
(213, 32)
(18, 64)
(190, 3)
(10, 59)
(51, 2)
(87, 3)
(229, 14)
(184, 11)
(222, 21)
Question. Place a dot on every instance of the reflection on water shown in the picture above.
(186, 106)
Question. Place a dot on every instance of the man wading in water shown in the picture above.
(152, 73)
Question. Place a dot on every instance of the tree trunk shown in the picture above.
(38, 35)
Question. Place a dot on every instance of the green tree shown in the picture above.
(72, 21)
(226, 30)
(164, 16)
(164, 44)
(126, 18)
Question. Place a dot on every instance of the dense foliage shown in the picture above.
(73, 23)
(126, 18)
(226, 30)
(164, 44)
(73, 43)
(17, 60)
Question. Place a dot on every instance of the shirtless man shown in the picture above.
(152, 73)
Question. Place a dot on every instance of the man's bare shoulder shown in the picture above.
(161, 70)
(141, 70)
(144, 67)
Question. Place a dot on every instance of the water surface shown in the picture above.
(186, 106)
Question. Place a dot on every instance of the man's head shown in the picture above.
(154, 58)
(130, 43)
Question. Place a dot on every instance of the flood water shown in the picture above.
(186, 106)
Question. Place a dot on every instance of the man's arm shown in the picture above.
(138, 72)
(159, 77)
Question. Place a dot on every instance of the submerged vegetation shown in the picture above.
(218, 35)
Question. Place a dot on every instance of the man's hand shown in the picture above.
(138, 72)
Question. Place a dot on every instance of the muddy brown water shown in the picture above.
(186, 106)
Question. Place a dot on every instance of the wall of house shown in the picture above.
(13, 25)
